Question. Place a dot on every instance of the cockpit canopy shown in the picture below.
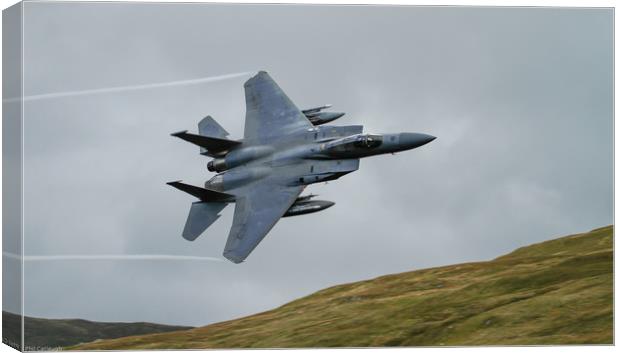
(353, 143)
(368, 141)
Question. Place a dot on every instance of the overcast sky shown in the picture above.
(520, 100)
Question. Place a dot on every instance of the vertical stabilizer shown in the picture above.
(209, 127)
(201, 216)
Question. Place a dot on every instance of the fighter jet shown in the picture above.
(283, 150)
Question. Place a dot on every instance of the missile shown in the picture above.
(305, 198)
(306, 206)
(317, 109)
(321, 118)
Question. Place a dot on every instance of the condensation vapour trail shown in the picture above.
(134, 257)
(127, 88)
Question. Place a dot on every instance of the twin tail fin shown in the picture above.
(205, 212)
(202, 214)
(211, 138)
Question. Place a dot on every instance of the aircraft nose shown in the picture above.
(413, 139)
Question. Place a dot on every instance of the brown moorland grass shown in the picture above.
(555, 292)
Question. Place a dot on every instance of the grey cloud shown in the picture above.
(520, 99)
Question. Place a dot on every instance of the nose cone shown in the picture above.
(330, 116)
(325, 204)
(409, 140)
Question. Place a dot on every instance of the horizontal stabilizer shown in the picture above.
(212, 144)
(201, 216)
(202, 193)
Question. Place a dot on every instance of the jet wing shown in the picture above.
(270, 114)
(256, 212)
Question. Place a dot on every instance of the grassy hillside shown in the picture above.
(52, 333)
(556, 292)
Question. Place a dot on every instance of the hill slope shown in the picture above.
(53, 333)
(556, 292)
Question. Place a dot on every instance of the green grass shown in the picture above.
(556, 292)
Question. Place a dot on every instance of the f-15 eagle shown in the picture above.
(283, 149)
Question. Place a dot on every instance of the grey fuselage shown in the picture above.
(319, 154)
